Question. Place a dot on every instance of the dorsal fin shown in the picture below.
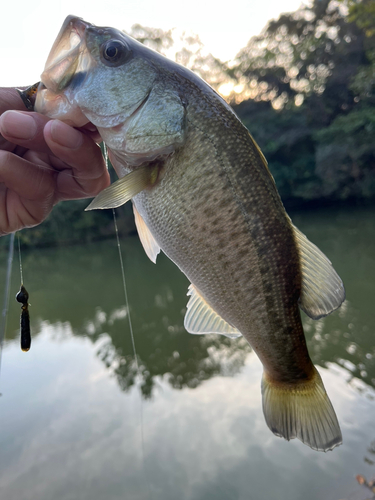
(201, 318)
(322, 288)
(149, 243)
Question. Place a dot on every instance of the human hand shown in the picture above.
(42, 162)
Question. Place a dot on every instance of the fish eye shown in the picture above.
(114, 52)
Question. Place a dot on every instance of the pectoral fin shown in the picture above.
(322, 289)
(201, 318)
(149, 243)
(125, 188)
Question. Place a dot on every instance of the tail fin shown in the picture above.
(301, 411)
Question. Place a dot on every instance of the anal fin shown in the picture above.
(200, 318)
(149, 243)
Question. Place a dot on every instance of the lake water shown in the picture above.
(77, 423)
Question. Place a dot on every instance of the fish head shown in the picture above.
(93, 74)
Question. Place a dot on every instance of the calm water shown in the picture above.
(77, 423)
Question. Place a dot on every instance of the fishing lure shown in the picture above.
(28, 96)
(23, 297)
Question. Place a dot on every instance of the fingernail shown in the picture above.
(18, 125)
(65, 135)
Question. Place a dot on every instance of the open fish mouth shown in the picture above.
(65, 58)
(66, 68)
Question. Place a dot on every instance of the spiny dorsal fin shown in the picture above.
(201, 318)
(322, 288)
(125, 188)
(148, 241)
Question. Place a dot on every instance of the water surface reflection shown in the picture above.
(70, 411)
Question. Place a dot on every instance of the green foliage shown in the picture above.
(346, 154)
(325, 58)
(287, 142)
(363, 14)
(69, 223)
(312, 51)
(310, 163)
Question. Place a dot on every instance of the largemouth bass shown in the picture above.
(202, 192)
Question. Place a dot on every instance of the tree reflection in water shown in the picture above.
(82, 286)
(181, 361)
(85, 291)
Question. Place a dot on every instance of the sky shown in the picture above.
(28, 29)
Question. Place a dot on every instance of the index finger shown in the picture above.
(24, 128)
(86, 173)
(10, 99)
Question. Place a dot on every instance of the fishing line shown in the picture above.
(59, 169)
(138, 371)
(4, 313)
(19, 257)
(123, 277)
(126, 294)
(134, 349)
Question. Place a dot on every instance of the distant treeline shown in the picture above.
(305, 88)
(323, 57)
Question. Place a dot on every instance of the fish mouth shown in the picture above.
(65, 57)
(68, 64)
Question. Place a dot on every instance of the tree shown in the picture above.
(307, 53)
(362, 12)
(322, 56)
